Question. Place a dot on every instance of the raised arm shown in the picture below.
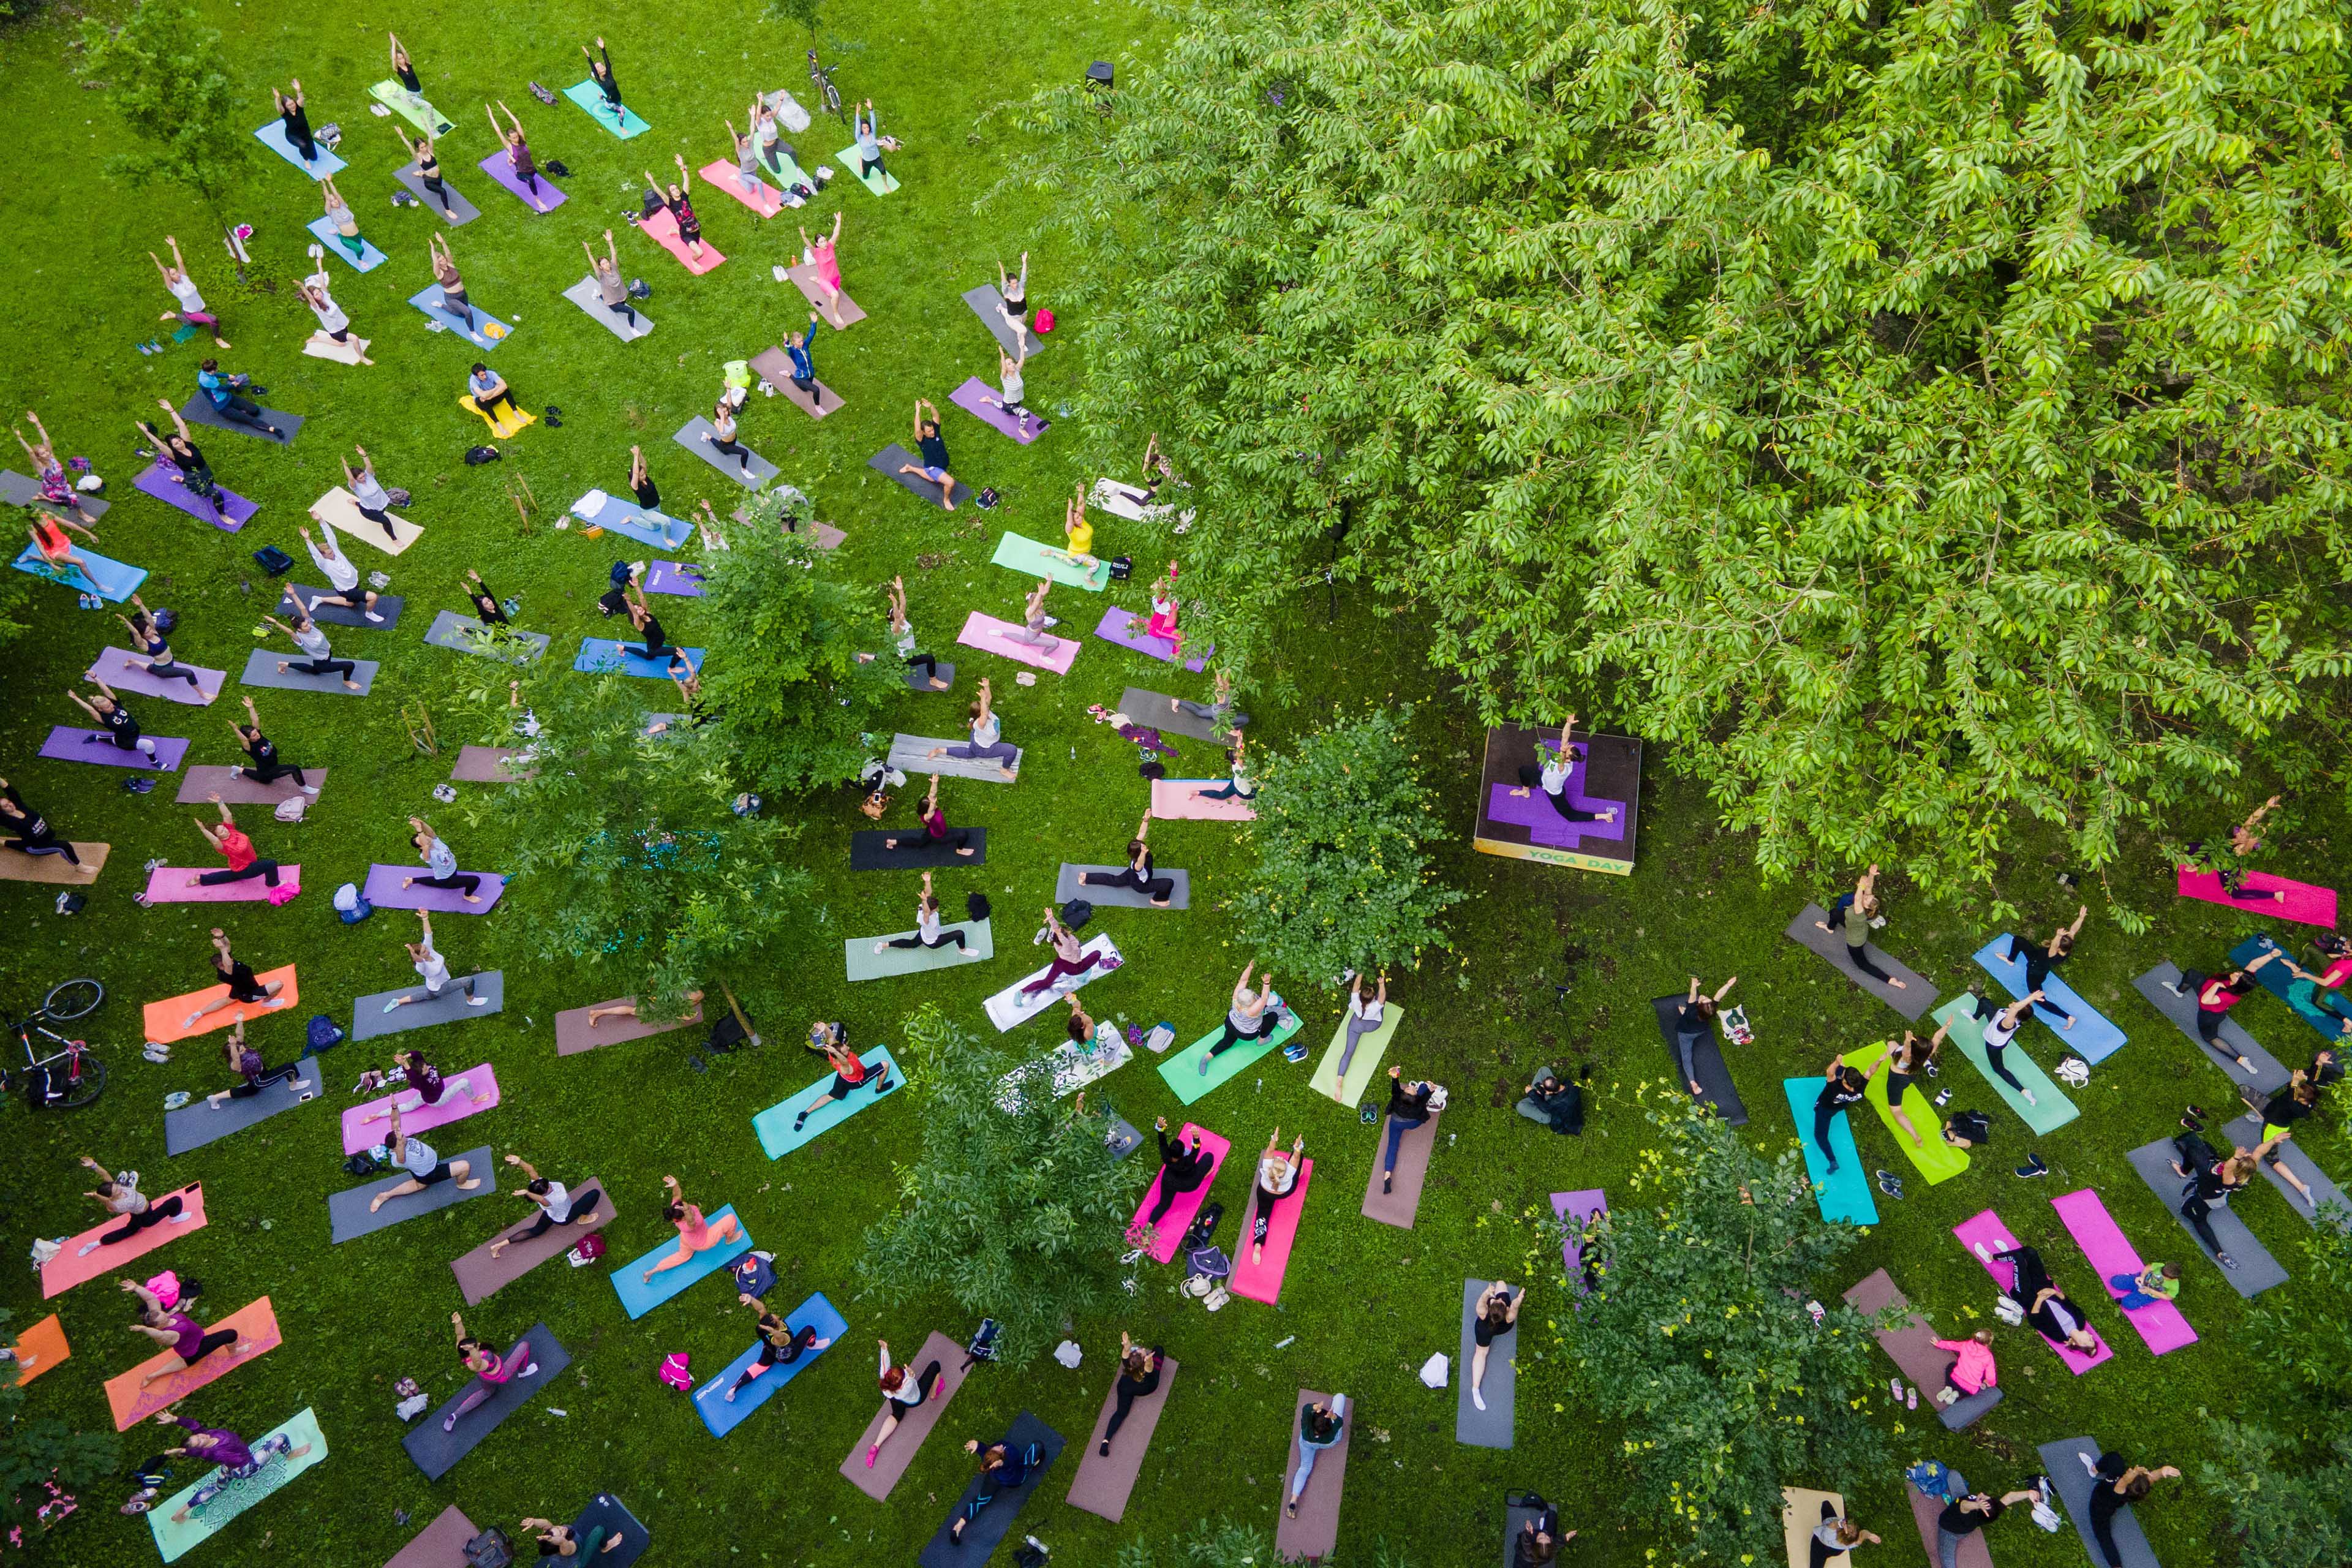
(1725, 989)
(1243, 983)
(836, 240)
(2082, 913)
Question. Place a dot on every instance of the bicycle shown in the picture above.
(821, 80)
(66, 1079)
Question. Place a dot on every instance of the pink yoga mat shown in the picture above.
(384, 891)
(768, 204)
(126, 671)
(456, 1105)
(992, 636)
(1172, 1225)
(2305, 903)
(2109, 1253)
(440, 1544)
(1171, 800)
(166, 486)
(914, 1425)
(1987, 1228)
(969, 397)
(549, 197)
(69, 1267)
(66, 744)
(1263, 1281)
(662, 229)
(1125, 628)
(178, 885)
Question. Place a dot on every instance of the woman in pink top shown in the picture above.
(1973, 1373)
(695, 1234)
(822, 255)
(494, 1370)
(1163, 607)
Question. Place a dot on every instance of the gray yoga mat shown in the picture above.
(869, 850)
(610, 1512)
(986, 303)
(199, 410)
(887, 462)
(2247, 1132)
(1912, 1348)
(1123, 1139)
(453, 631)
(1515, 1518)
(369, 1019)
(691, 439)
(261, 669)
(2062, 1462)
(982, 1535)
(918, 681)
(437, 1452)
(1707, 1064)
(460, 211)
(2256, 1271)
(1068, 887)
(911, 754)
(1151, 709)
(1913, 1000)
(348, 1210)
(22, 489)
(198, 785)
(2268, 1077)
(387, 605)
(1490, 1427)
(584, 294)
(195, 1124)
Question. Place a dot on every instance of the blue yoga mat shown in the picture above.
(640, 1297)
(428, 300)
(113, 581)
(586, 96)
(324, 228)
(2277, 981)
(774, 1125)
(710, 1399)
(273, 136)
(642, 524)
(599, 655)
(1844, 1194)
(2092, 1037)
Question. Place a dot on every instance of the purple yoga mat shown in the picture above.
(164, 485)
(126, 671)
(70, 745)
(1546, 826)
(495, 166)
(1575, 1210)
(967, 398)
(675, 577)
(1114, 628)
(384, 891)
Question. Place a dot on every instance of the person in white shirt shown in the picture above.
(435, 969)
(340, 574)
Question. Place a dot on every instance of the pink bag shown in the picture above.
(1044, 320)
(166, 1287)
(673, 1370)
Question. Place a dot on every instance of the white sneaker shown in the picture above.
(1982, 1250)
(299, 1086)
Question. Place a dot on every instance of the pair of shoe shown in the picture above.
(2034, 1167)
(1890, 1184)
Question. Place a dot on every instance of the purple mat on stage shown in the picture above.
(384, 891)
(164, 485)
(967, 398)
(495, 166)
(1115, 628)
(675, 577)
(1546, 826)
(66, 744)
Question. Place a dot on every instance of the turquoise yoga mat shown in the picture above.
(176, 1541)
(640, 1297)
(2051, 1109)
(2280, 985)
(2092, 1037)
(1182, 1070)
(113, 581)
(1844, 1194)
(774, 1125)
(585, 95)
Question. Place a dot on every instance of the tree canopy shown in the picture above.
(166, 76)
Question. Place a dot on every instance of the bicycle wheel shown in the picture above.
(70, 999)
(86, 1086)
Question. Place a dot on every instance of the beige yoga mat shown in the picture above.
(16, 865)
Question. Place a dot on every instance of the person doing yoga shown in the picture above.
(1182, 1168)
(219, 1445)
(519, 163)
(118, 1193)
(2230, 864)
(249, 1064)
(342, 577)
(117, 727)
(628, 1009)
(928, 933)
(557, 1204)
(721, 436)
(154, 647)
(2001, 1025)
(29, 831)
(243, 990)
(560, 1540)
(1249, 1016)
(822, 257)
(1363, 1018)
(988, 742)
(903, 1388)
(606, 271)
(2041, 961)
(319, 656)
(1139, 1378)
(2212, 1181)
(934, 450)
(454, 298)
(2117, 1485)
(1141, 874)
(2314, 995)
(2046, 1307)
(1077, 533)
(902, 637)
(1070, 958)
(781, 1344)
(600, 71)
(1852, 915)
(1694, 1022)
(346, 226)
(679, 198)
(1010, 403)
(192, 309)
(1549, 774)
(262, 764)
(1003, 1467)
(1411, 1103)
(1035, 620)
(1277, 1178)
(1497, 1313)
(868, 142)
(1906, 1059)
(1219, 710)
(228, 401)
(653, 638)
(423, 1167)
(1963, 1517)
(1973, 1369)
(485, 604)
(695, 1234)
(1165, 607)
(426, 1087)
(184, 1339)
(2279, 1114)
(491, 1370)
(182, 460)
(440, 863)
(56, 490)
(334, 322)
(428, 168)
(1013, 289)
(1319, 1426)
(50, 540)
(434, 970)
(850, 1072)
(1842, 1087)
(1243, 785)
(1538, 1543)
(230, 842)
(293, 113)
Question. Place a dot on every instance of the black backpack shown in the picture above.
(725, 1034)
(1204, 1225)
(272, 560)
(975, 906)
(1973, 1125)
(1076, 913)
(491, 1549)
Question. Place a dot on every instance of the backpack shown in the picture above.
(1122, 567)
(673, 1370)
(1076, 913)
(291, 809)
(1934, 1478)
(491, 1549)
(349, 907)
(365, 1162)
(1045, 321)
(975, 906)
(272, 560)
(1973, 1125)
(590, 1249)
(324, 1032)
(1204, 1226)
(478, 455)
(725, 1034)
(1208, 1263)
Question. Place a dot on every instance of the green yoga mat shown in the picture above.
(881, 184)
(1937, 1160)
(865, 964)
(1183, 1073)
(2051, 1109)
(411, 108)
(176, 1541)
(1368, 1051)
(1031, 559)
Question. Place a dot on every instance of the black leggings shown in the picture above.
(503, 397)
(1168, 1196)
(465, 882)
(584, 1206)
(50, 845)
(1856, 953)
(270, 772)
(216, 1340)
(1531, 777)
(1157, 888)
(381, 518)
(1234, 1035)
(733, 448)
(770, 1355)
(2000, 1069)
(169, 668)
(337, 667)
(440, 191)
(266, 870)
(1265, 1201)
(1822, 1116)
(926, 663)
(667, 650)
(945, 937)
(157, 1213)
(2103, 1509)
(1820, 1554)
(1129, 1391)
(262, 1081)
(243, 411)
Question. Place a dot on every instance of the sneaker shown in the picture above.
(300, 1086)
(2225, 1261)
(1895, 1389)
(392, 1005)
(1910, 1399)
(2193, 1124)
(1943, 1098)
(2032, 1167)
(2196, 1111)
(1890, 1184)
(1983, 1252)
(87, 1249)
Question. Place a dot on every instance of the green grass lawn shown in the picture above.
(1363, 1305)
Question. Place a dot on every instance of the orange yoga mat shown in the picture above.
(255, 1323)
(39, 1348)
(69, 1267)
(167, 1021)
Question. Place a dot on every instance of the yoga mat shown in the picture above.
(387, 605)
(1707, 1064)
(711, 1400)
(480, 1093)
(1066, 887)
(1910, 1001)
(722, 175)
(1575, 1211)
(1490, 1427)
(347, 1211)
(67, 744)
(690, 436)
(464, 634)
(868, 852)
(624, 123)
(1104, 1481)
(776, 368)
(128, 671)
(2305, 903)
(916, 679)
(1125, 628)
(2050, 1110)
(2256, 1271)
(23, 489)
(199, 781)
(989, 305)
(983, 1533)
(1122, 1140)
(1844, 1193)
(18, 867)
(1369, 1052)
(864, 964)
(176, 1541)
(510, 421)
(662, 229)
(112, 580)
(350, 351)
(1183, 1068)
(1316, 1529)
(546, 199)
(1935, 1160)
(2267, 1078)
(1800, 1515)
(1986, 1226)
(887, 462)
(440, 1544)
(2247, 1130)
(619, 1524)
(489, 765)
(261, 669)
(255, 1326)
(971, 397)
(1911, 1346)
(2092, 1037)
(199, 410)
(179, 885)
(370, 1021)
(1031, 559)
(1181, 1213)
(273, 136)
(1925, 1513)
(2109, 1253)
(574, 1035)
(1158, 710)
(640, 1296)
(72, 1265)
(323, 229)
(1066, 1068)
(2278, 982)
(437, 1452)
(167, 1020)
(1172, 801)
(166, 486)
(774, 1127)
(487, 333)
(803, 277)
(412, 107)
(675, 577)
(40, 1348)
(626, 517)
(1262, 1280)
(383, 890)
(459, 212)
(481, 1276)
(588, 297)
(1398, 1206)
(600, 655)
(1009, 1007)
(911, 754)
(881, 182)
(197, 1124)
(876, 1480)
(2062, 1462)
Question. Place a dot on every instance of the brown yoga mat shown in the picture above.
(1912, 1348)
(16, 865)
(480, 765)
(480, 1275)
(1316, 1529)
(573, 1035)
(915, 1424)
(1398, 1207)
(1102, 1485)
(198, 786)
(440, 1544)
(1925, 1513)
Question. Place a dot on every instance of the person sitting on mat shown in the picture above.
(1219, 710)
(179, 454)
(1033, 619)
(426, 1086)
(334, 321)
(1277, 1178)
(781, 1344)
(118, 1193)
(183, 1340)
(154, 647)
(1363, 1018)
(232, 844)
(557, 1204)
(485, 605)
(2118, 1485)
(1549, 774)
(1410, 1102)
(2040, 962)
(1694, 1022)
(519, 163)
(57, 489)
(117, 727)
(1539, 1542)
(1242, 785)
(1963, 1517)
(491, 1370)
(987, 740)
(1497, 1313)
(1139, 1378)
(2157, 1282)
(192, 309)
(1004, 1468)
(1972, 1370)
(29, 831)
(934, 449)
(424, 1167)
(455, 299)
(1182, 1167)
(868, 144)
(1906, 1059)
(1139, 875)
(1319, 1426)
(1851, 915)
(721, 436)
(1248, 1016)
(641, 481)
(628, 1009)
(1843, 1086)
(262, 764)
(1069, 959)
(2212, 1181)
(850, 1072)
(2046, 1306)
(803, 370)
(679, 199)
(606, 271)
(600, 71)
(219, 1445)
(747, 159)
(822, 257)
(1077, 533)
(434, 970)
(694, 1232)
(1012, 289)
(902, 1389)
(558, 1540)
(440, 863)
(928, 933)
(294, 116)
(228, 402)
(243, 990)
(1079, 1026)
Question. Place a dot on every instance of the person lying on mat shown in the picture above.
(2046, 1306)
(440, 863)
(1139, 875)
(243, 990)
(1972, 1370)
(558, 1540)
(1410, 1102)
(116, 725)
(557, 1204)
(1363, 1018)
(29, 831)
(519, 163)
(781, 1344)
(1906, 1059)
(600, 71)
(1694, 1022)
(988, 742)
(1182, 1168)
(219, 1445)
(1277, 1178)
(1498, 1313)
(426, 1087)
(229, 841)
(629, 1008)
(831, 1041)
(179, 453)
(934, 465)
(1842, 1087)
(1963, 1517)
(118, 1193)
(1549, 774)
(2157, 1282)
(1248, 1017)
(695, 1234)
(1003, 1467)
(1219, 710)
(227, 401)
(928, 933)
(318, 654)
(2212, 1181)
(424, 1167)
(2040, 962)
(2118, 1485)
(2217, 994)
(2313, 996)
(1538, 1541)
(184, 1339)
(1242, 785)
(902, 1390)
(1851, 915)
(491, 1370)
(1319, 1426)
(1139, 1378)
